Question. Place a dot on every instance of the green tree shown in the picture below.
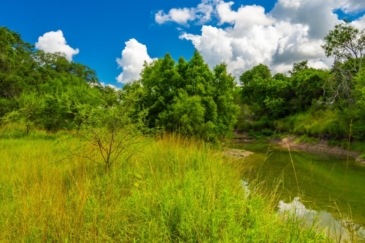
(307, 86)
(347, 45)
(43, 90)
(159, 80)
(109, 136)
(16, 67)
(265, 95)
(185, 115)
(223, 96)
(187, 97)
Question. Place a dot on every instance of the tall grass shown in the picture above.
(314, 123)
(174, 190)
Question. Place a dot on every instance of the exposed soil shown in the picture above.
(320, 147)
(237, 153)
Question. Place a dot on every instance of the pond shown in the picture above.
(316, 183)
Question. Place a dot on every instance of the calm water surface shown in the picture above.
(326, 183)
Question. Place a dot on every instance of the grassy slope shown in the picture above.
(173, 190)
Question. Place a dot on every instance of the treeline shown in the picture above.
(41, 90)
(309, 101)
(44, 90)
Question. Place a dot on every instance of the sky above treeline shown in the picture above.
(115, 37)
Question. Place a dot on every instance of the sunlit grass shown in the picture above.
(173, 190)
(313, 123)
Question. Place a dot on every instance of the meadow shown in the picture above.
(172, 189)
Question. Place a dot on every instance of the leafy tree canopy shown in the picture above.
(187, 97)
(347, 45)
(41, 89)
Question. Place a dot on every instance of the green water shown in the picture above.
(326, 183)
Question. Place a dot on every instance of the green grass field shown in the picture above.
(172, 189)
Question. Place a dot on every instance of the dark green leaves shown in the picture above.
(188, 97)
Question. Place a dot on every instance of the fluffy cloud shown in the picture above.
(180, 16)
(291, 32)
(360, 23)
(202, 13)
(244, 17)
(351, 6)
(317, 15)
(133, 57)
(53, 42)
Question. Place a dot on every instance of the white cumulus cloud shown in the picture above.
(248, 35)
(180, 16)
(352, 6)
(202, 13)
(53, 42)
(360, 23)
(133, 57)
(244, 17)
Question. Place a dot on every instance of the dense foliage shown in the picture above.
(44, 90)
(316, 102)
(41, 89)
(275, 97)
(187, 97)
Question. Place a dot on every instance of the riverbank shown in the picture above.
(315, 146)
(321, 146)
(237, 153)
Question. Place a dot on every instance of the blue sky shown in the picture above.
(100, 30)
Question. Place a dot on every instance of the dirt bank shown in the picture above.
(237, 153)
(320, 147)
